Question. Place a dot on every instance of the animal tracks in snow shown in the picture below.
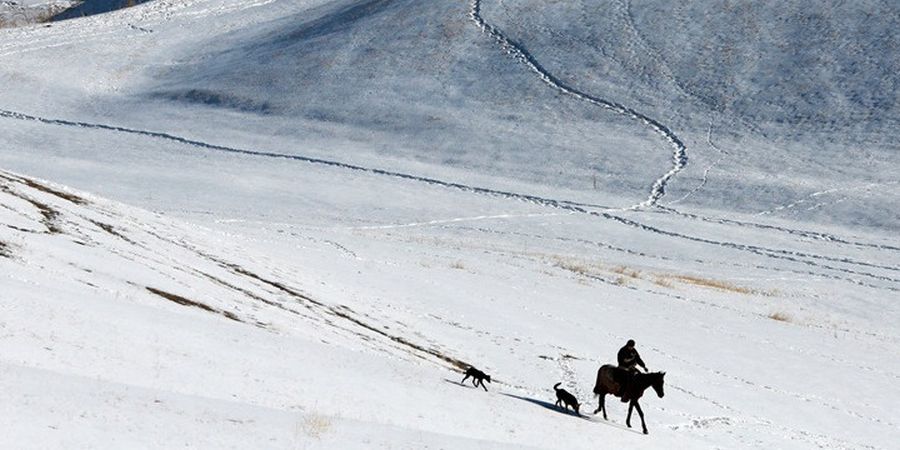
(800, 258)
(521, 54)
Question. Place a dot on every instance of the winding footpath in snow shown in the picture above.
(803, 258)
(705, 179)
(518, 52)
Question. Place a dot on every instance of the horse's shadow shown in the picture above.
(589, 418)
(548, 405)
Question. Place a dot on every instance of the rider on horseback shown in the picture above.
(629, 359)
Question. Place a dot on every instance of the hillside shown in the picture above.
(291, 224)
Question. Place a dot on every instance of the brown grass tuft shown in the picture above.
(714, 284)
(626, 271)
(780, 316)
(575, 267)
(315, 425)
(187, 302)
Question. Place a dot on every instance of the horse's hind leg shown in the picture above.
(641, 413)
(601, 406)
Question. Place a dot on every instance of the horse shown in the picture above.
(638, 383)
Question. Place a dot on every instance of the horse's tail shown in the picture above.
(598, 386)
(556, 386)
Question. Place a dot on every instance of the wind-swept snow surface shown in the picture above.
(292, 224)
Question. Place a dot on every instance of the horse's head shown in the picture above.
(657, 383)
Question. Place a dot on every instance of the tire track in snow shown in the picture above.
(518, 52)
(581, 208)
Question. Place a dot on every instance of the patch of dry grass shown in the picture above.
(458, 265)
(315, 425)
(714, 284)
(781, 316)
(573, 266)
(628, 272)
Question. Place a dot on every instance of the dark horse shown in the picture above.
(607, 383)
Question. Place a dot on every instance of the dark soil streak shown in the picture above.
(111, 230)
(398, 339)
(49, 214)
(186, 302)
(320, 308)
(46, 189)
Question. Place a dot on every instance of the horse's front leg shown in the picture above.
(640, 413)
(630, 407)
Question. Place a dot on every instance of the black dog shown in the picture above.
(565, 398)
(478, 377)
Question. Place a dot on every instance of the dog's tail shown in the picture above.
(556, 386)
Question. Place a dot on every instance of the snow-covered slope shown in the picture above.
(26, 12)
(413, 83)
(337, 204)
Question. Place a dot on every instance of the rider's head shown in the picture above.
(630, 343)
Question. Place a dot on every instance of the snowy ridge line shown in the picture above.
(797, 232)
(518, 52)
(559, 204)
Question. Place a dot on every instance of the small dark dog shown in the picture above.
(563, 397)
(478, 377)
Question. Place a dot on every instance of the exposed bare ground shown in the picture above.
(186, 302)
(111, 230)
(68, 196)
(5, 251)
(49, 214)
